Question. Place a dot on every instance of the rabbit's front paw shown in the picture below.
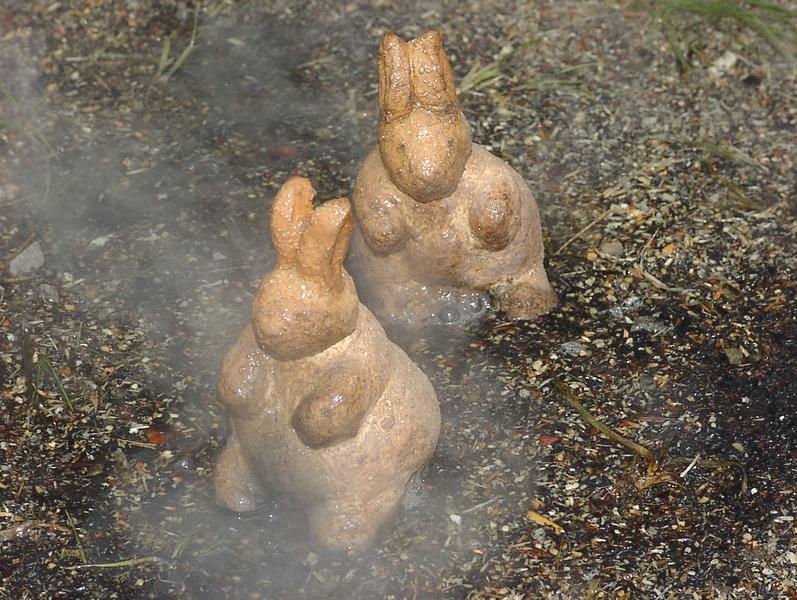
(386, 230)
(324, 420)
(524, 300)
(494, 216)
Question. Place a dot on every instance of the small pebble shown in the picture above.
(325, 134)
(649, 324)
(630, 304)
(646, 383)
(99, 242)
(49, 293)
(572, 348)
(734, 356)
(612, 248)
(29, 260)
(649, 122)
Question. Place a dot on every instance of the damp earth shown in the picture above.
(639, 440)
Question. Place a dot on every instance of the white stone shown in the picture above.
(29, 260)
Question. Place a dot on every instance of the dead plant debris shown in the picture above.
(140, 145)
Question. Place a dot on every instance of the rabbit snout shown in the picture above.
(425, 152)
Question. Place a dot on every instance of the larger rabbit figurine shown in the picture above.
(322, 406)
(439, 215)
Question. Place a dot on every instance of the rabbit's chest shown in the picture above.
(283, 388)
(440, 239)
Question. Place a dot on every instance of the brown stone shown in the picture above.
(322, 406)
(437, 214)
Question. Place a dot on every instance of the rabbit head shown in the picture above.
(308, 302)
(424, 139)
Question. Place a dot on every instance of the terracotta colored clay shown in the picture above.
(439, 215)
(322, 406)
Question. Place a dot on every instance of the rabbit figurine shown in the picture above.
(437, 214)
(322, 406)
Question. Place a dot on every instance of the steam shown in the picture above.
(160, 217)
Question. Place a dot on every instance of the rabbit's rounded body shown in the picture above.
(423, 250)
(441, 248)
(322, 407)
(440, 217)
(394, 440)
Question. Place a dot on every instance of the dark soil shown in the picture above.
(670, 203)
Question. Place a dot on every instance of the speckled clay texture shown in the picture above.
(322, 406)
(438, 214)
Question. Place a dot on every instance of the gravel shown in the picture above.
(669, 200)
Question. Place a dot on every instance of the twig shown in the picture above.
(213, 11)
(188, 49)
(640, 269)
(27, 367)
(137, 443)
(545, 83)
(132, 562)
(166, 51)
(164, 60)
(480, 505)
(570, 396)
(81, 550)
(315, 62)
(713, 464)
(100, 55)
(744, 201)
(683, 473)
(64, 394)
(641, 451)
(18, 529)
(727, 152)
(20, 488)
(533, 515)
(774, 23)
(658, 282)
(557, 79)
(478, 75)
(597, 220)
(180, 547)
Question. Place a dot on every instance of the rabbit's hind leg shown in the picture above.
(345, 523)
(525, 297)
(237, 487)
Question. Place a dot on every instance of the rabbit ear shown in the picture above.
(394, 78)
(325, 242)
(432, 80)
(292, 207)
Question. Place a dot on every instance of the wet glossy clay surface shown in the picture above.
(439, 216)
(322, 406)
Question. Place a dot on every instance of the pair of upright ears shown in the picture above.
(313, 241)
(414, 74)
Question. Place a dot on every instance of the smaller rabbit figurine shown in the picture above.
(438, 215)
(322, 406)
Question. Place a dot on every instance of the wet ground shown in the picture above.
(134, 189)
